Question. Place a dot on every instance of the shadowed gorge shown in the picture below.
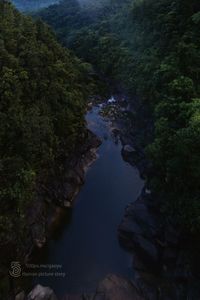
(100, 149)
(88, 246)
(43, 100)
(150, 48)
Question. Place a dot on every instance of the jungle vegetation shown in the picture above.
(152, 48)
(43, 94)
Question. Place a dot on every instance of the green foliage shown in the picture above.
(151, 47)
(173, 83)
(43, 91)
(196, 18)
(92, 32)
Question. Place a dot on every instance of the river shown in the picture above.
(87, 247)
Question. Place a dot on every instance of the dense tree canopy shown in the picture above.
(43, 91)
(170, 64)
(152, 47)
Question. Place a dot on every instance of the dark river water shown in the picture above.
(87, 247)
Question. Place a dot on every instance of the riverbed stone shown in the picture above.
(20, 296)
(130, 154)
(129, 149)
(114, 287)
(40, 292)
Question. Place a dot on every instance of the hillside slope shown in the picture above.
(150, 48)
(43, 91)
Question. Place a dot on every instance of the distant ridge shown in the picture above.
(30, 5)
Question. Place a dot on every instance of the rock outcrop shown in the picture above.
(141, 229)
(41, 293)
(57, 192)
(62, 190)
(112, 287)
(163, 267)
(20, 296)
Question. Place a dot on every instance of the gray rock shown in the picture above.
(67, 204)
(148, 248)
(114, 287)
(148, 191)
(39, 243)
(20, 296)
(131, 226)
(129, 149)
(139, 231)
(138, 221)
(41, 293)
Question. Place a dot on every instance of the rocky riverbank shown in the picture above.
(164, 257)
(112, 287)
(62, 190)
(43, 213)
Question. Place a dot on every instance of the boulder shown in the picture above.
(129, 149)
(114, 287)
(130, 154)
(139, 231)
(20, 296)
(148, 191)
(39, 243)
(41, 293)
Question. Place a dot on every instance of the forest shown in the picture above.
(43, 91)
(152, 49)
(56, 59)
